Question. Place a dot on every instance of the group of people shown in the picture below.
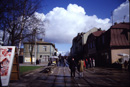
(89, 63)
(80, 67)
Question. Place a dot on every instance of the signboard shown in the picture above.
(6, 60)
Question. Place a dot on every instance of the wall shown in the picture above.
(115, 52)
(85, 36)
(41, 53)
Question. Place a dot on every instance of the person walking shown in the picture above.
(129, 65)
(90, 62)
(81, 65)
(72, 67)
(86, 63)
(125, 65)
(93, 62)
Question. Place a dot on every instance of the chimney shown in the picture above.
(99, 29)
(41, 40)
(115, 23)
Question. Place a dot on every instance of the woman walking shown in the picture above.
(81, 65)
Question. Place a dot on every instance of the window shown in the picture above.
(103, 39)
(44, 48)
(93, 44)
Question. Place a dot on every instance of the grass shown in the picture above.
(28, 68)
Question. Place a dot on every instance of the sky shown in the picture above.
(64, 19)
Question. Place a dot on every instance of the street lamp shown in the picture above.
(35, 44)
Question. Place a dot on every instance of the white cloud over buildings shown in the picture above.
(62, 25)
(120, 12)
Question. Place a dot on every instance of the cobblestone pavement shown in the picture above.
(60, 77)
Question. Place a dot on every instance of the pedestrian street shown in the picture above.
(60, 77)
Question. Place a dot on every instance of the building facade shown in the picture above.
(44, 51)
(107, 46)
(91, 47)
(77, 49)
(103, 46)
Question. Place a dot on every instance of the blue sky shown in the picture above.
(91, 7)
(65, 18)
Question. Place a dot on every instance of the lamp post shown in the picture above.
(35, 44)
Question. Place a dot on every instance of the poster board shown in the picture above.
(6, 59)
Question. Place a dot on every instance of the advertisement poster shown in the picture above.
(6, 61)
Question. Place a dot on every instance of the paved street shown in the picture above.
(60, 77)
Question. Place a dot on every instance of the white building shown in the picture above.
(44, 51)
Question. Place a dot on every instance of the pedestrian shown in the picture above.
(129, 65)
(81, 67)
(125, 65)
(90, 62)
(65, 61)
(93, 62)
(37, 61)
(86, 61)
(57, 62)
(72, 67)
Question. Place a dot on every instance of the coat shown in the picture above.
(81, 63)
(72, 65)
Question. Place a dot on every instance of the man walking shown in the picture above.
(72, 66)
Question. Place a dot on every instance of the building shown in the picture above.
(44, 51)
(91, 47)
(105, 47)
(77, 49)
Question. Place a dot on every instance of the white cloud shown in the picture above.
(39, 16)
(63, 53)
(1, 33)
(62, 25)
(120, 12)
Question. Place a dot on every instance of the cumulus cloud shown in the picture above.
(120, 12)
(39, 16)
(62, 25)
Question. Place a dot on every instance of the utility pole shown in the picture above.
(35, 46)
(112, 17)
(124, 18)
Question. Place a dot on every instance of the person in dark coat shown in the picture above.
(72, 67)
(129, 65)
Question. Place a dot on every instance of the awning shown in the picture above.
(123, 54)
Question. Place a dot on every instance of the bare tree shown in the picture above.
(14, 16)
(34, 27)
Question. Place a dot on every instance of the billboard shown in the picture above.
(6, 61)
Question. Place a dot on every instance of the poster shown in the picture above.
(6, 60)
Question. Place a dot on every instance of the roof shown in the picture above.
(40, 42)
(98, 33)
(122, 25)
(118, 38)
(119, 34)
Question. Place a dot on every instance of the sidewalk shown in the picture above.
(28, 64)
(60, 77)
